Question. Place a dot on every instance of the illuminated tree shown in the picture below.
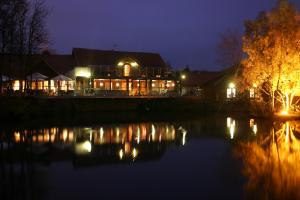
(272, 46)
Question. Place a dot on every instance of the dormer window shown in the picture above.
(126, 70)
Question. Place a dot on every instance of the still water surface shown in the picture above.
(207, 158)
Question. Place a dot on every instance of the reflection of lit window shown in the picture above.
(231, 91)
(183, 138)
(134, 153)
(231, 127)
(121, 154)
(253, 126)
(127, 70)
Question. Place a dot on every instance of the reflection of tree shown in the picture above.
(272, 163)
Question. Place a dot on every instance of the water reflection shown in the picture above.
(272, 162)
(270, 155)
(112, 142)
(231, 127)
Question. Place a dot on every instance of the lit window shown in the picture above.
(127, 70)
(16, 85)
(231, 91)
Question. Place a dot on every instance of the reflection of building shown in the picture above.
(107, 143)
(93, 72)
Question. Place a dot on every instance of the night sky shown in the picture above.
(184, 32)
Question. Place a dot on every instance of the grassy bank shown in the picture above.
(29, 107)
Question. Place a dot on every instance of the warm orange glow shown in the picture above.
(284, 112)
(273, 161)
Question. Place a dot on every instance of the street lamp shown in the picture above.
(182, 78)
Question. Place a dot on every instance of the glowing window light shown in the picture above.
(65, 135)
(83, 72)
(153, 84)
(101, 84)
(117, 84)
(127, 69)
(228, 122)
(16, 85)
(17, 137)
(231, 91)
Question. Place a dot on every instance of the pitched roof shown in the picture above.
(61, 64)
(198, 78)
(85, 57)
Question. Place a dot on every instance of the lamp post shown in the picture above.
(182, 78)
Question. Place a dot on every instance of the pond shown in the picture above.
(207, 158)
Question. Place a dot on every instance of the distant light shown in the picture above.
(118, 84)
(183, 76)
(120, 64)
(101, 84)
(134, 64)
(153, 85)
(231, 85)
(87, 146)
(284, 112)
(83, 72)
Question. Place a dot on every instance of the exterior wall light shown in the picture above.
(231, 85)
(134, 64)
(120, 64)
(83, 72)
(183, 76)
